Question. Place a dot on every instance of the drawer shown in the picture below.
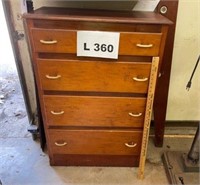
(98, 142)
(145, 44)
(94, 76)
(65, 41)
(94, 111)
(54, 41)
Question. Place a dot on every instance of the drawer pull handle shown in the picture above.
(131, 145)
(144, 45)
(140, 79)
(135, 115)
(48, 41)
(60, 144)
(57, 113)
(53, 77)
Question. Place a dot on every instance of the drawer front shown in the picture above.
(94, 111)
(65, 41)
(94, 76)
(54, 41)
(145, 44)
(95, 142)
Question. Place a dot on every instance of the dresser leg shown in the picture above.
(160, 105)
(159, 133)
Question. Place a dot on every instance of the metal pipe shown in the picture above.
(193, 154)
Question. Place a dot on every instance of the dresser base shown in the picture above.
(94, 160)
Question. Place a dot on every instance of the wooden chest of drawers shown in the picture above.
(96, 111)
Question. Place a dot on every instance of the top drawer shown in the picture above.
(64, 41)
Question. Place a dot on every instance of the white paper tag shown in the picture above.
(98, 44)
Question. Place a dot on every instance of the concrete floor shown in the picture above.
(22, 163)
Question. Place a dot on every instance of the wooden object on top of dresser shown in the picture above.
(96, 111)
(162, 87)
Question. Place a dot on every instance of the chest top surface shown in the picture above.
(57, 13)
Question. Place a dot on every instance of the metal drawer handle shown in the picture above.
(131, 145)
(48, 41)
(60, 144)
(140, 79)
(57, 113)
(53, 77)
(144, 45)
(135, 115)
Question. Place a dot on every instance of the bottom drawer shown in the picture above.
(95, 160)
(95, 142)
